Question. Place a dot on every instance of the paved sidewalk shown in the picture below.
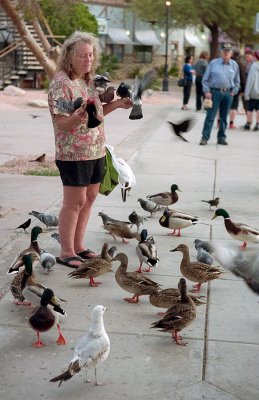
(221, 359)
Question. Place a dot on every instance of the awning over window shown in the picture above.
(119, 36)
(192, 39)
(147, 38)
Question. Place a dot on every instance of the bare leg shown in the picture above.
(249, 117)
(73, 202)
(83, 217)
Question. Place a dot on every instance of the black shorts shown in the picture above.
(234, 105)
(253, 104)
(81, 173)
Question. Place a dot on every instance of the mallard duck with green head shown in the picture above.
(196, 271)
(33, 248)
(133, 282)
(238, 230)
(179, 316)
(94, 267)
(146, 251)
(43, 318)
(177, 220)
(25, 278)
(165, 198)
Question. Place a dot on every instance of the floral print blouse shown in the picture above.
(81, 142)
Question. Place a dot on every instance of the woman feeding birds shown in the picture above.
(80, 148)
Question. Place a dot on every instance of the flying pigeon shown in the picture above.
(139, 87)
(182, 127)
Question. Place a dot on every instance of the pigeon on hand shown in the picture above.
(49, 219)
(139, 87)
(47, 261)
(108, 95)
(124, 90)
(182, 127)
(136, 219)
(91, 350)
(93, 120)
(101, 81)
(150, 206)
(40, 158)
(213, 202)
(25, 225)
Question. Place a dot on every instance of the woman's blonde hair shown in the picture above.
(68, 49)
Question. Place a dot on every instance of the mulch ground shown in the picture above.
(23, 165)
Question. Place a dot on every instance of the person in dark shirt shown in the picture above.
(200, 68)
(188, 72)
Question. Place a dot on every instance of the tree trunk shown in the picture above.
(48, 65)
(214, 30)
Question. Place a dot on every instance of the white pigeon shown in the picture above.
(91, 350)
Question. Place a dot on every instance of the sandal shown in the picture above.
(67, 261)
(87, 254)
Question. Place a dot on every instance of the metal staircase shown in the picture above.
(17, 63)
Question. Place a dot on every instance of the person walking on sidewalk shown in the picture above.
(220, 83)
(80, 150)
(242, 76)
(188, 72)
(249, 59)
(200, 68)
(252, 93)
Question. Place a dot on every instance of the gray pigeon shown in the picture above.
(106, 219)
(203, 256)
(136, 219)
(47, 261)
(150, 206)
(207, 246)
(48, 218)
(91, 349)
(242, 264)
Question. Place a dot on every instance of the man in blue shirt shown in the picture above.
(220, 83)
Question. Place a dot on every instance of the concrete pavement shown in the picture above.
(220, 361)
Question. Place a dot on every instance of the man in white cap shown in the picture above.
(220, 83)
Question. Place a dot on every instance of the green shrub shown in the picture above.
(108, 64)
(42, 172)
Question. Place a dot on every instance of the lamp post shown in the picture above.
(165, 79)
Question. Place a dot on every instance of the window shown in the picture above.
(116, 50)
(143, 54)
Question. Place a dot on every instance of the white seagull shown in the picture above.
(91, 350)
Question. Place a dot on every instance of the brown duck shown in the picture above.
(94, 267)
(196, 271)
(25, 278)
(165, 198)
(179, 316)
(167, 298)
(121, 230)
(33, 248)
(133, 282)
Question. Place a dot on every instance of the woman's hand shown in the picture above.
(80, 115)
(124, 103)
